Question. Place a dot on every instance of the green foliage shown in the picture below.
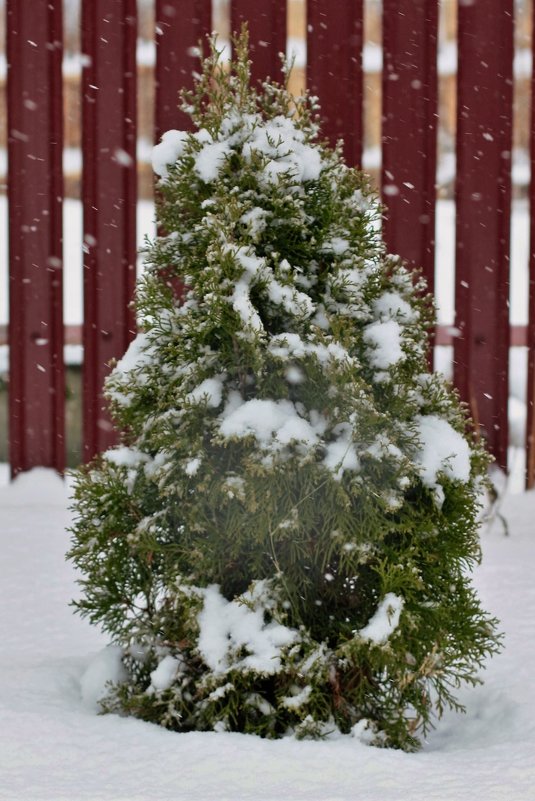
(283, 541)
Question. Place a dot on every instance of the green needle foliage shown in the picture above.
(282, 542)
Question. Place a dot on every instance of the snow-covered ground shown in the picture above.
(55, 748)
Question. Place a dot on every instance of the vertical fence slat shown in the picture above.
(266, 20)
(35, 192)
(409, 133)
(334, 70)
(109, 32)
(180, 26)
(530, 423)
(483, 196)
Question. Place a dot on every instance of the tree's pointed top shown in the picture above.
(224, 84)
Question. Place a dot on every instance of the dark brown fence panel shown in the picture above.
(266, 20)
(180, 26)
(334, 73)
(35, 191)
(109, 200)
(530, 423)
(334, 70)
(483, 194)
(409, 134)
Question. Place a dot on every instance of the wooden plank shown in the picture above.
(483, 195)
(109, 29)
(266, 21)
(35, 197)
(334, 71)
(530, 422)
(72, 335)
(180, 26)
(409, 133)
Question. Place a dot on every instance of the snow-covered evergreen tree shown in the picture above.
(281, 542)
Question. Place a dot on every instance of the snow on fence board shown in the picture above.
(334, 72)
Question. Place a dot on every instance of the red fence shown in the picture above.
(334, 73)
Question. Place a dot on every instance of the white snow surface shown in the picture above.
(107, 666)
(340, 454)
(54, 748)
(210, 160)
(167, 151)
(391, 306)
(278, 141)
(443, 450)
(192, 467)
(274, 424)
(283, 146)
(209, 391)
(228, 627)
(384, 343)
(291, 345)
(384, 621)
(124, 456)
(166, 672)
